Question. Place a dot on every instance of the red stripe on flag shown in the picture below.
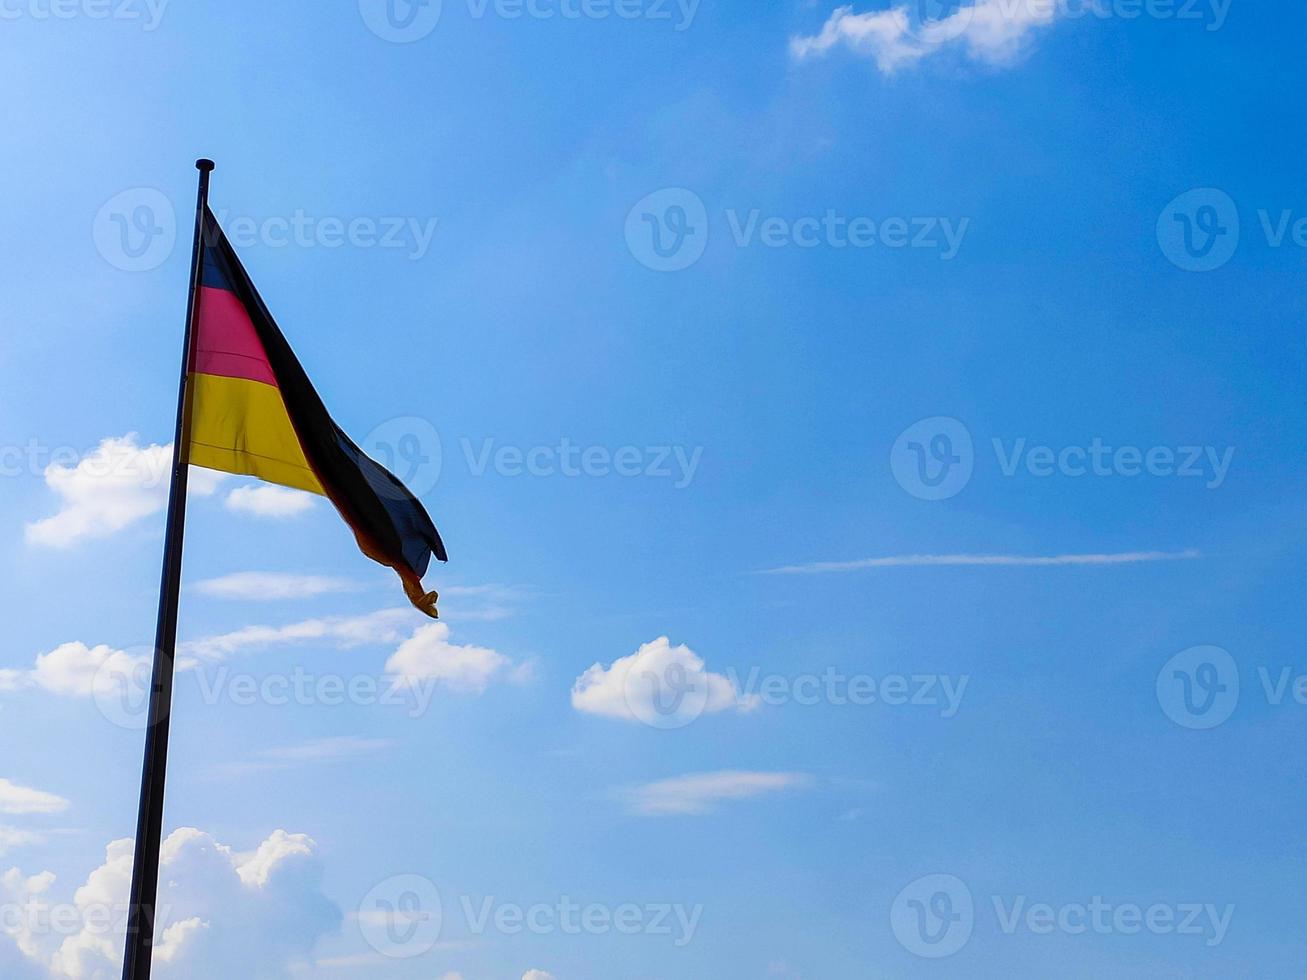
(227, 344)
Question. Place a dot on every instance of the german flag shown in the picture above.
(253, 411)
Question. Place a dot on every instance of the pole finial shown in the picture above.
(204, 164)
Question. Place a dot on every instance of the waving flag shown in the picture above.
(253, 411)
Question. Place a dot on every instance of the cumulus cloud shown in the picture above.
(266, 500)
(222, 913)
(109, 489)
(640, 687)
(75, 670)
(990, 31)
(268, 586)
(703, 793)
(537, 975)
(428, 655)
(15, 799)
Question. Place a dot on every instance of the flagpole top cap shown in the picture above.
(204, 164)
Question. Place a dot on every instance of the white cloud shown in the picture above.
(78, 671)
(113, 487)
(318, 751)
(488, 602)
(281, 846)
(17, 799)
(11, 837)
(537, 975)
(268, 586)
(267, 500)
(703, 793)
(424, 654)
(991, 31)
(1018, 561)
(628, 688)
(75, 670)
(222, 914)
(428, 655)
(344, 632)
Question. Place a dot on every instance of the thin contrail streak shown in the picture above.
(920, 561)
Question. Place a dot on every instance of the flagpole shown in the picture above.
(149, 821)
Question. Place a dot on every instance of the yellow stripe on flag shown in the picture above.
(241, 426)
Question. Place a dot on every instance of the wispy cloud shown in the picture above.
(322, 751)
(17, 799)
(344, 632)
(269, 501)
(12, 837)
(266, 586)
(1024, 561)
(702, 793)
(483, 603)
(990, 31)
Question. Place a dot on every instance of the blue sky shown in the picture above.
(865, 441)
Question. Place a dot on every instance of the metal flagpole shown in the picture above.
(149, 821)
